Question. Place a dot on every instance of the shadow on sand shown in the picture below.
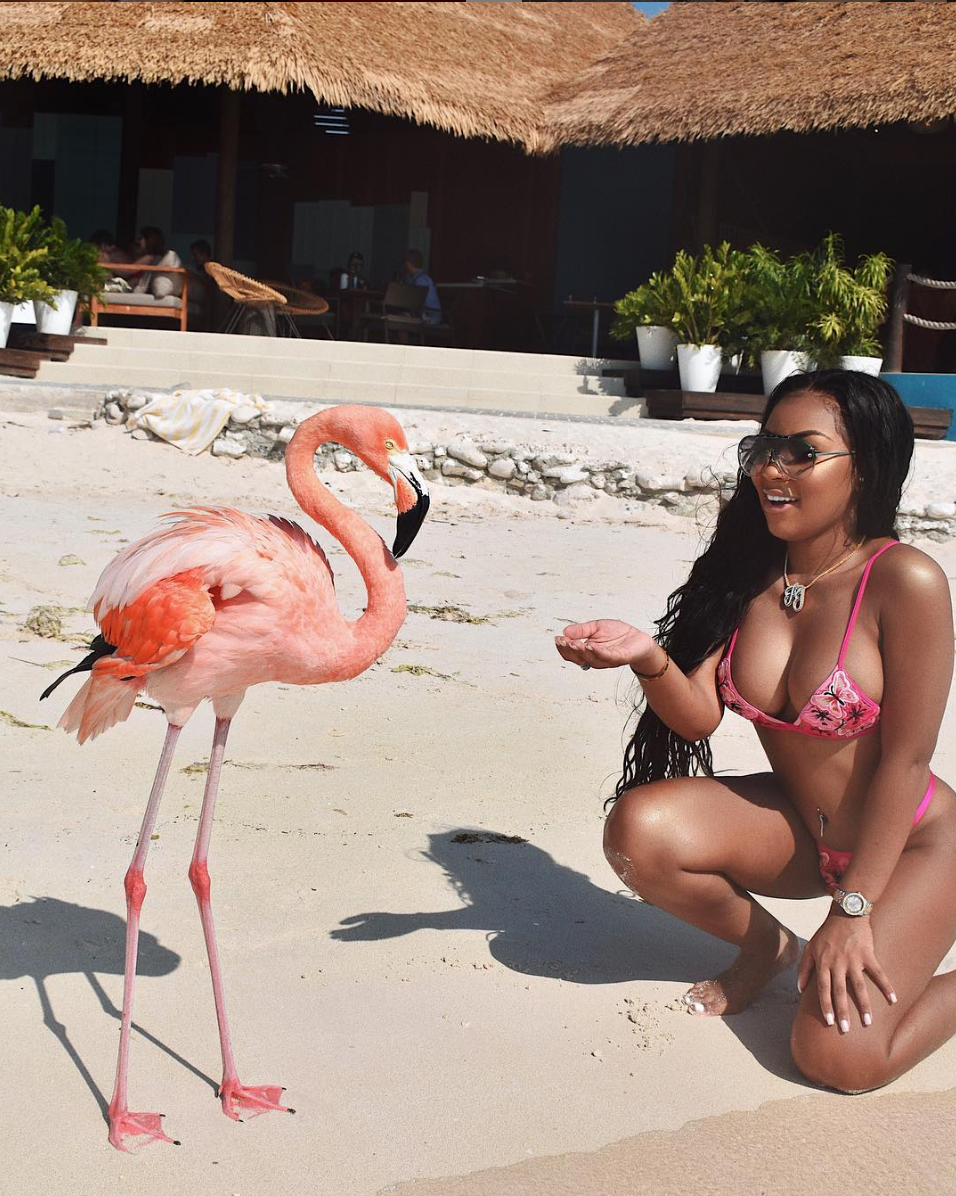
(542, 918)
(46, 937)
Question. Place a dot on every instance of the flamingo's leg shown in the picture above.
(122, 1121)
(234, 1095)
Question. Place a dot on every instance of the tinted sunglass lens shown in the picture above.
(751, 454)
(796, 456)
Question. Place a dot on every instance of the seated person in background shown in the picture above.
(107, 250)
(202, 287)
(415, 276)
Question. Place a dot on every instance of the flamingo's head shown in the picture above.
(378, 439)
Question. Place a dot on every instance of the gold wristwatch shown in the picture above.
(854, 904)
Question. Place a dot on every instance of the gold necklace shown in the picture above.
(793, 593)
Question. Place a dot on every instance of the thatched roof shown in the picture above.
(472, 69)
(712, 70)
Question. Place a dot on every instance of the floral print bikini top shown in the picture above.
(837, 709)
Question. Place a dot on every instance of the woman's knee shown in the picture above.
(639, 834)
(826, 1057)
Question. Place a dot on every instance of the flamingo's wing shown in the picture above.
(234, 552)
(160, 624)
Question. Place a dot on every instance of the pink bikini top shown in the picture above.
(837, 709)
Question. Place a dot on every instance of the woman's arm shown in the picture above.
(688, 703)
(917, 648)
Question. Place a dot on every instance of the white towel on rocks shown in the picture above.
(192, 419)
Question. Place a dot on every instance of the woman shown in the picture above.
(807, 606)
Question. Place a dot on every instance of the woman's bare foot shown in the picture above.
(751, 971)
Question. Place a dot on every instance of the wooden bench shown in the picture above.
(929, 423)
(134, 303)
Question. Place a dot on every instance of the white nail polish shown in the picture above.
(829, 1019)
(698, 1008)
(867, 1020)
(892, 998)
(844, 1025)
(799, 987)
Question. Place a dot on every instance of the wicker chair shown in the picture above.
(255, 304)
(301, 303)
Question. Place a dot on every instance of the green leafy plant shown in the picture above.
(711, 298)
(779, 301)
(849, 303)
(23, 252)
(71, 264)
(652, 303)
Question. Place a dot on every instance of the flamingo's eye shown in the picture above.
(390, 444)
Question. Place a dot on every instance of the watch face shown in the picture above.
(853, 903)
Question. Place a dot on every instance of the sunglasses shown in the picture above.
(792, 455)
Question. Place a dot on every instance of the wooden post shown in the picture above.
(893, 363)
(224, 248)
(707, 195)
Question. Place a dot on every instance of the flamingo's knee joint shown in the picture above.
(135, 888)
(199, 879)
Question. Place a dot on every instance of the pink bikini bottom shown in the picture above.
(834, 863)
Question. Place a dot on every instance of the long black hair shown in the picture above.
(703, 612)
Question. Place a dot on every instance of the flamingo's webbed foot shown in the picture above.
(251, 1101)
(148, 1126)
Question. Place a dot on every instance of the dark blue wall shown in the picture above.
(614, 227)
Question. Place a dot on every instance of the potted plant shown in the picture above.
(850, 305)
(780, 309)
(22, 253)
(647, 312)
(71, 269)
(709, 312)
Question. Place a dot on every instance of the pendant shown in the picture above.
(793, 596)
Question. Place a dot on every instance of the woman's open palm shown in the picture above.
(604, 644)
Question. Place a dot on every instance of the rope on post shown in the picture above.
(935, 325)
(931, 282)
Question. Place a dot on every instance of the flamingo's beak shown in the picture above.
(411, 498)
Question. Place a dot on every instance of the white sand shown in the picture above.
(434, 1008)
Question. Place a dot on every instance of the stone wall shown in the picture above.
(567, 478)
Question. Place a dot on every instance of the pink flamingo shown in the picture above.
(212, 603)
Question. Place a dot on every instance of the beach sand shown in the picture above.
(453, 1012)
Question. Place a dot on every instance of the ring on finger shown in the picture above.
(585, 667)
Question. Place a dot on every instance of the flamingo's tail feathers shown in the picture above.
(102, 702)
(99, 647)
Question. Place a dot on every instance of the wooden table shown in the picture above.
(353, 303)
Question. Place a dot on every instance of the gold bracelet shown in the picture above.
(653, 676)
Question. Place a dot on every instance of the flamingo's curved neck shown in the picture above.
(385, 609)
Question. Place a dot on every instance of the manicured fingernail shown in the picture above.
(799, 987)
(892, 998)
(867, 1020)
(844, 1025)
(829, 1019)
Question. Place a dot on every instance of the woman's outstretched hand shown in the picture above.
(605, 644)
(842, 953)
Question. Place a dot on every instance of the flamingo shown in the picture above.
(211, 603)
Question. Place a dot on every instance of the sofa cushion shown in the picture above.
(165, 285)
(135, 299)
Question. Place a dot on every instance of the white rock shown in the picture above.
(652, 483)
(580, 492)
(243, 415)
(503, 468)
(599, 481)
(941, 510)
(468, 454)
(286, 434)
(141, 434)
(115, 413)
(455, 469)
(439, 451)
(271, 419)
(522, 466)
(541, 492)
(343, 460)
(226, 448)
(913, 509)
(500, 448)
(533, 475)
(568, 477)
(135, 402)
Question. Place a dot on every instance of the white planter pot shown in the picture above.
(777, 364)
(657, 347)
(866, 365)
(23, 313)
(6, 318)
(57, 320)
(699, 366)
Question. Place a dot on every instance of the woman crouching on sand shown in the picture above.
(806, 616)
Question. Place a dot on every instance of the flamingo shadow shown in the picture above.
(45, 937)
(543, 918)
